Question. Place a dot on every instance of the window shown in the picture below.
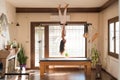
(2, 43)
(113, 37)
(75, 42)
(4, 31)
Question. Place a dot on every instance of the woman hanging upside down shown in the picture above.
(63, 41)
(63, 23)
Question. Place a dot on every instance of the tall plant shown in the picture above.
(22, 59)
(94, 56)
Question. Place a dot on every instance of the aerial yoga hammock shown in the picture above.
(63, 23)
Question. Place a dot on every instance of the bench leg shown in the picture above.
(88, 72)
(42, 69)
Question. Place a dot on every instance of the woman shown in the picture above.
(63, 23)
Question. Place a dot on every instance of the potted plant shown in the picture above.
(14, 44)
(96, 61)
(94, 56)
(22, 59)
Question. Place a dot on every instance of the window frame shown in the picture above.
(112, 20)
(85, 41)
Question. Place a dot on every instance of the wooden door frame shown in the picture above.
(33, 25)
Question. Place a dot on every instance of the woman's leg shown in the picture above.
(65, 14)
(60, 14)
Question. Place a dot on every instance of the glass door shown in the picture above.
(39, 44)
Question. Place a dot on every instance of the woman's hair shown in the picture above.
(62, 45)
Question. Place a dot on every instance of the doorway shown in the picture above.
(39, 44)
(39, 34)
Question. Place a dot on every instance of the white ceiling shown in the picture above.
(55, 3)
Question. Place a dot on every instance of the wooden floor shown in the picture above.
(68, 74)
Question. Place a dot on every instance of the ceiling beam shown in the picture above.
(107, 4)
(54, 10)
(70, 10)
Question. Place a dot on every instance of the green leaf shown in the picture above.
(22, 59)
(94, 55)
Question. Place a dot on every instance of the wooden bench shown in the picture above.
(45, 62)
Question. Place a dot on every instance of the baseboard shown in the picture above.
(109, 74)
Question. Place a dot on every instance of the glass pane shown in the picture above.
(39, 44)
(75, 42)
(117, 37)
(111, 37)
(54, 41)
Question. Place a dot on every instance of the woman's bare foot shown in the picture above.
(59, 7)
(66, 6)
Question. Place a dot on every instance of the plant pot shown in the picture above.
(98, 71)
(22, 68)
(7, 47)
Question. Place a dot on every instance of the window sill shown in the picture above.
(114, 55)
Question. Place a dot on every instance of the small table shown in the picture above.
(17, 74)
(45, 62)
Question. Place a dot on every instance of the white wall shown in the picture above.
(23, 31)
(109, 63)
(11, 16)
(2, 6)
